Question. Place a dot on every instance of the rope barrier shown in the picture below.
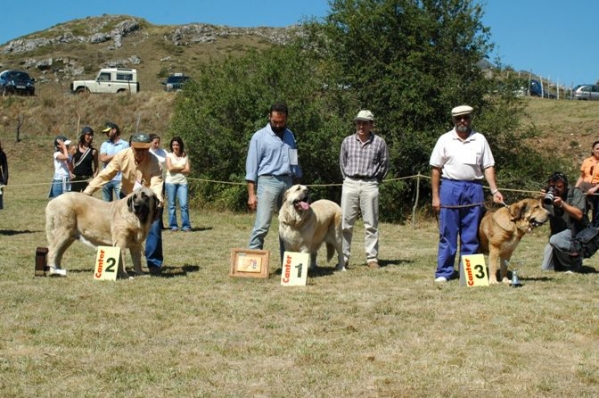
(204, 180)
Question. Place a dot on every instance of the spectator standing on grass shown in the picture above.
(160, 154)
(85, 160)
(364, 162)
(588, 181)
(566, 219)
(113, 145)
(460, 160)
(177, 170)
(271, 167)
(138, 168)
(3, 175)
(61, 182)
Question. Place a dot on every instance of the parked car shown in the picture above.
(109, 80)
(175, 82)
(16, 82)
(587, 92)
(536, 90)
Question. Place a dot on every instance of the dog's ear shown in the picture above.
(130, 203)
(517, 210)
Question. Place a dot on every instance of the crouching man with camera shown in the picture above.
(566, 218)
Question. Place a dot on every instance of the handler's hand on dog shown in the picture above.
(498, 197)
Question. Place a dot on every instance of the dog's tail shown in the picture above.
(330, 251)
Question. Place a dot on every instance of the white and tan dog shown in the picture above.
(122, 223)
(304, 227)
(500, 232)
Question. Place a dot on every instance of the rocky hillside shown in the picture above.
(77, 49)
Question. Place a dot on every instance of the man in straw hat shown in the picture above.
(364, 162)
(138, 168)
(460, 160)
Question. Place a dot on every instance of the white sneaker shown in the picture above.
(441, 279)
(569, 272)
(58, 271)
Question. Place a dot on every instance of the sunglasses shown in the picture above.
(461, 117)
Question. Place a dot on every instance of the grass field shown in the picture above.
(197, 332)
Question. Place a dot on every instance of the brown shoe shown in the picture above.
(373, 264)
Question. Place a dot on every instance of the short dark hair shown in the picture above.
(558, 176)
(154, 136)
(279, 107)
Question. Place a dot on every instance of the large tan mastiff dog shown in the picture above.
(304, 227)
(122, 223)
(500, 232)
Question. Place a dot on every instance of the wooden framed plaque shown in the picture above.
(249, 263)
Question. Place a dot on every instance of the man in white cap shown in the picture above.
(364, 162)
(460, 160)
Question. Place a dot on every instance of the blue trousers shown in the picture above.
(110, 187)
(154, 256)
(461, 221)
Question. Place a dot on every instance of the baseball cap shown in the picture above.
(110, 126)
(61, 138)
(86, 130)
(461, 110)
(365, 115)
(141, 140)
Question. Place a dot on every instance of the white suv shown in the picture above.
(109, 80)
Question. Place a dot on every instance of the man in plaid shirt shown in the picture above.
(364, 162)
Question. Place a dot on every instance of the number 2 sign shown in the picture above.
(108, 261)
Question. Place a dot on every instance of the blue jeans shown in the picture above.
(154, 256)
(108, 188)
(458, 221)
(59, 187)
(178, 191)
(270, 197)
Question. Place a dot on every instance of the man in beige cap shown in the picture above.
(138, 168)
(364, 162)
(460, 160)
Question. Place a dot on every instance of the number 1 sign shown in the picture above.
(295, 269)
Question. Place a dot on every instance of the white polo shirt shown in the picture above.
(462, 159)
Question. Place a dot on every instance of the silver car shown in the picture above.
(587, 92)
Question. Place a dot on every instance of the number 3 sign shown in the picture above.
(108, 261)
(473, 271)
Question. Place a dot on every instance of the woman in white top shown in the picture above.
(62, 167)
(177, 170)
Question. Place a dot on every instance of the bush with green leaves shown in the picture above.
(410, 62)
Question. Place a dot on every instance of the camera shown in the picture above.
(549, 196)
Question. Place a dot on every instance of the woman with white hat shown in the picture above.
(62, 167)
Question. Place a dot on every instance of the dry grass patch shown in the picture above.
(198, 332)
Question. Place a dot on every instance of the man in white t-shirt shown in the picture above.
(460, 160)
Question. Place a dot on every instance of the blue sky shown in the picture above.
(553, 39)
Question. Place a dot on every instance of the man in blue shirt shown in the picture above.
(113, 145)
(271, 166)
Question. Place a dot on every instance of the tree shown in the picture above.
(408, 61)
